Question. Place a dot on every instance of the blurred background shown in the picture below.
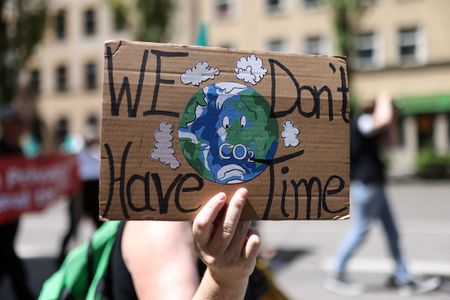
(51, 68)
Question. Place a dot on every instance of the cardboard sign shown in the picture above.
(32, 184)
(183, 123)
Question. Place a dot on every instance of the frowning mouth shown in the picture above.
(230, 171)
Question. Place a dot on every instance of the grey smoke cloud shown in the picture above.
(250, 69)
(163, 147)
(199, 73)
(290, 134)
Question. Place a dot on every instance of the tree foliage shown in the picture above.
(21, 27)
(155, 17)
(346, 17)
(150, 17)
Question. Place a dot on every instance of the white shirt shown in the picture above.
(366, 124)
(89, 163)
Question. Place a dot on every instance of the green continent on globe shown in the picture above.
(223, 127)
(263, 133)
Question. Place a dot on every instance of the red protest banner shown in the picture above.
(32, 184)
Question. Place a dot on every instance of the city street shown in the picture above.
(423, 218)
(304, 249)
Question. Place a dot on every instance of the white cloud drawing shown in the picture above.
(290, 134)
(163, 147)
(199, 73)
(250, 69)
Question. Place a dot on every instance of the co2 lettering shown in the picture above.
(234, 152)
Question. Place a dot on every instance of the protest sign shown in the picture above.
(32, 184)
(181, 123)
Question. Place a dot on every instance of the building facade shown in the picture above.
(402, 47)
(66, 71)
(65, 75)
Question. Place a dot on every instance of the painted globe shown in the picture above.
(223, 128)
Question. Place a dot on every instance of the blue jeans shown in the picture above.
(369, 203)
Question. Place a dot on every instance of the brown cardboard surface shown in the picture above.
(181, 123)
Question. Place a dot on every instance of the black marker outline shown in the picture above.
(280, 159)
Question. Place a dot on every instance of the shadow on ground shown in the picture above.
(283, 257)
(39, 269)
(377, 287)
(445, 286)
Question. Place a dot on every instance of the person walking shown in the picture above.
(85, 203)
(369, 203)
(12, 129)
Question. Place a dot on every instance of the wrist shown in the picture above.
(236, 283)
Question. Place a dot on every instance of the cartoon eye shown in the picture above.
(243, 121)
(226, 122)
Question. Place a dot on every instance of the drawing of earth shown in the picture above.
(223, 127)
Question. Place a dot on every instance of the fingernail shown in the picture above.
(222, 196)
(244, 192)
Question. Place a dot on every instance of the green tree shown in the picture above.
(21, 27)
(346, 18)
(155, 17)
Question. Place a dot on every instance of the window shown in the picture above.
(91, 76)
(224, 8)
(35, 81)
(314, 45)
(365, 51)
(276, 45)
(60, 25)
(401, 123)
(61, 79)
(89, 22)
(61, 130)
(410, 46)
(425, 130)
(274, 6)
(312, 4)
(92, 120)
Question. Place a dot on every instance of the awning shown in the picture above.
(439, 103)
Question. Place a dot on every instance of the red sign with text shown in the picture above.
(32, 184)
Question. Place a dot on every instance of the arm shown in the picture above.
(383, 113)
(160, 255)
(370, 124)
(227, 246)
(161, 259)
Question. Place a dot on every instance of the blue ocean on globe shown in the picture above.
(223, 128)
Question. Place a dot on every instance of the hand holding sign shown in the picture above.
(226, 245)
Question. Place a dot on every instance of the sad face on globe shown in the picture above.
(225, 126)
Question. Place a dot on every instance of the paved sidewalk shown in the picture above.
(305, 249)
(423, 217)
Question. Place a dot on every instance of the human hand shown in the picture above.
(383, 112)
(227, 246)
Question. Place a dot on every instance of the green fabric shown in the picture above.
(72, 277)
(426, 104)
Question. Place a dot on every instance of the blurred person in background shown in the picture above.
(89, 172)
(12, 129)
(368, 132)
